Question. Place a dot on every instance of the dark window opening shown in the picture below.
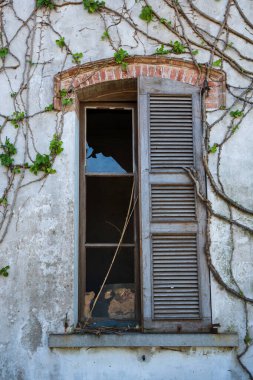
(107, 200)
(109, 141)
(111, 191)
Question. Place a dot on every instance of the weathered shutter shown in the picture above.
(175, 281)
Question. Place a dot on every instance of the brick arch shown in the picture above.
(80, 77)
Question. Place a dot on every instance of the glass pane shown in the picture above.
(109, 141)
(117, 299)
(107, 202)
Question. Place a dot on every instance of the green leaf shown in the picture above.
(237, 113)
(9, 150)
(4, 202)
(67, 101)
(177, 47)
(45, 4)
(16, 170)
(165, 22)
(77, 58)
(63, 93)
(195, 52)
(42, 163)
(230, 45)
(49, 108)
(161, 50)
(6, 160)
(235, 128)
(13, 94)
(8, 147)
(60, 42)
(120, 55)
(212, 149)
(4, 271)
(124, 66)
(3, 52)
(217, 63)
(105, 35)
(55, 146)
(93, 6)
(247, 339)
(16, 118)
(146, 14)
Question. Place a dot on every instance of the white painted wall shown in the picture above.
(39, 245)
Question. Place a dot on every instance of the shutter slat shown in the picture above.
(172, 201)
(175, 274)
(165, 123)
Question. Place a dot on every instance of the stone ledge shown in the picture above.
(142, 340)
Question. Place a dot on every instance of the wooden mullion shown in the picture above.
(109, 174)
(108, 245)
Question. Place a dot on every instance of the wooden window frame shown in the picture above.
(82, 199)
(204, 324)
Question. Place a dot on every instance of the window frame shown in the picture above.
(131, 105)
(204, 272)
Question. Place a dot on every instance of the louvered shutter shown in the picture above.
(175, 281)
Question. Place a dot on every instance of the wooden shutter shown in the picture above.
(175, 281)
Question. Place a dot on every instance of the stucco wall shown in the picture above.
(39, 244)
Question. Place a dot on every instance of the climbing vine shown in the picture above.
(172, 28)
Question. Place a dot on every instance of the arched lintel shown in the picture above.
(80, 81)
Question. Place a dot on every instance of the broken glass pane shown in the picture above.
(117, 299)
(109, 141)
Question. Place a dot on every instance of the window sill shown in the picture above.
(142, 340)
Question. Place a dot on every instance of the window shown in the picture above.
(134, 189)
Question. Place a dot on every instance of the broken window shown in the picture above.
(142, 227)
(110, 228)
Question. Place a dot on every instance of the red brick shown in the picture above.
(66, 83)
(110, 74)
(125, 74)
(188, 76)
(137, 70)
(151, 70)
(118, 73)
(213, 91)
(57, 103)
(174, 73)
(212, 106)
(131, 71)
(202, 78)
(103, 75)
(166, 71)
(76, 82)
(96, 77)
(214, 84)
(194, 78)
(181, 73)
(159, 71)
(90, 81)
(144, 70)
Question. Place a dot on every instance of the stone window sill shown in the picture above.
(142, 340)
